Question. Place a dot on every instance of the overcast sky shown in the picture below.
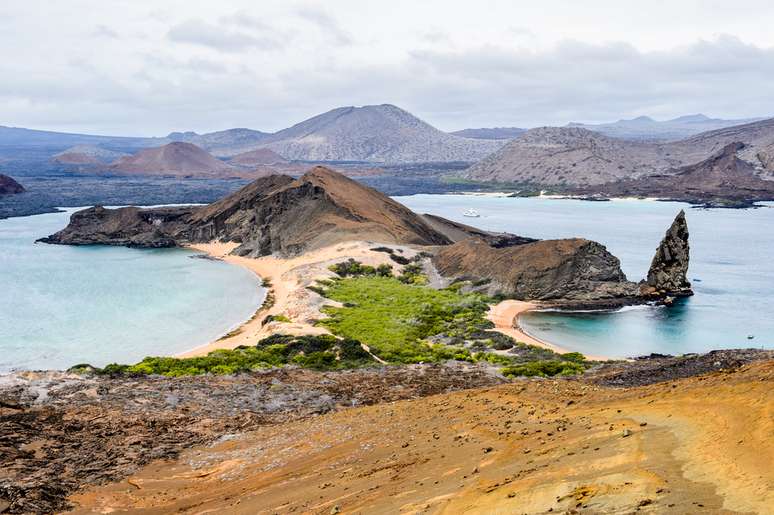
(136, 67)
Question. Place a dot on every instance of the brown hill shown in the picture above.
(275, 214)
(258, 157)
(178, 158)
(722, 177)
(9, 186)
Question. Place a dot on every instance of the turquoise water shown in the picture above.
(732, 270)
(63, 305)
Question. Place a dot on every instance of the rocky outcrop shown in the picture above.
(667, 276)
(577, 271)
(9, 186)
(274, 214)
(570, 273)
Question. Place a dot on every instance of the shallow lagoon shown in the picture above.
(732, 270)
(62, 305)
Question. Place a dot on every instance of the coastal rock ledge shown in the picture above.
(570, 273)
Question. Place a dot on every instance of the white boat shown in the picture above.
(471, 213)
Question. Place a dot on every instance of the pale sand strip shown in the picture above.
(289, 279)
(505, 317)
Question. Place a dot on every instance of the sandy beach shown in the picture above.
(505, 317)
(288, 295)
(289, 279)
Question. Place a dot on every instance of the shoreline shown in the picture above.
(286, 279)
(505, 316)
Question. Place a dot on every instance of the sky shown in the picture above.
(142, 68)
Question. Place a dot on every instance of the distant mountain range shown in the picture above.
(644, 127)
(371, 134)
(376, 134)
(571, 158)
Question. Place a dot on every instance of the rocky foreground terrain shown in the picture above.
(647, 435)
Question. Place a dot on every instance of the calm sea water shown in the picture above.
(732, 270)
(63, 305)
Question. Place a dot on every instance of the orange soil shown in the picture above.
(699, 445)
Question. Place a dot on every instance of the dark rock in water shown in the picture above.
(9, 186)
(667, 274)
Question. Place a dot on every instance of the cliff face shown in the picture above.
(576, 270)
(274, 214)
(571, 272)
(9, 186)
(668, 270)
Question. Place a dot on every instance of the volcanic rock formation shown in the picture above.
(573, 270)
(9, 186)
(723, 178)
(272, 214)
(570, 272)
(668, 270)
(287, 217)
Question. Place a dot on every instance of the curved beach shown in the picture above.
(287, 280)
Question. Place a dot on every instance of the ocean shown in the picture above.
(732, 270)
(62, 305)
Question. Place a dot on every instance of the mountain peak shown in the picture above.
(692, 118)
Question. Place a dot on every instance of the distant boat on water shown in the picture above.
(471, 213)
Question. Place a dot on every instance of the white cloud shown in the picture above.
(220, 36)
(134, 67)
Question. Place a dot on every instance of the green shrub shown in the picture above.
(324, 352)
(394, 318)
(543, 369)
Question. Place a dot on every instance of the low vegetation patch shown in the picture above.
(323, 352)
(544, 369)
(394, 315)
(399, 318)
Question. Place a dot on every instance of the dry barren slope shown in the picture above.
(175, 159)
(697, 445)
(379, 133)
(577, 156)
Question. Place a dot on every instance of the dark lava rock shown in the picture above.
(9, 186)
(658, 368)
(668, 270)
